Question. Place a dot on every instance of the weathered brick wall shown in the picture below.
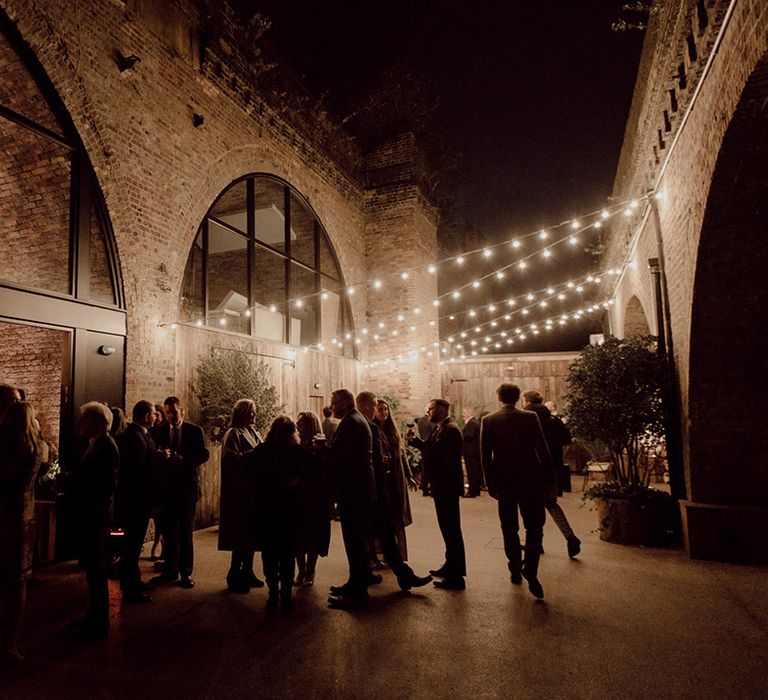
(401, 236)
(31, 359)
(661, 99)
(159, 173)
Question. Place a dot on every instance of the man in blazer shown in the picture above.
(184, 450)
(350, 466)
(93, 485)
(519, 474)
(442, 460)
(134, 497)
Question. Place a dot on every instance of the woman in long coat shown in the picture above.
(398, 474)
(280, 464)
(314, 535)
(20, 450)
(237, 497)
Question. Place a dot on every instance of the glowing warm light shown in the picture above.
(174, 326)
(324, 296)
(272, 308)
(475, 284)
(198, 323)
(522, 265)
(432, 269)
(487, 253)
(377, 284)
(500, 275)
(460, 260)
(351, 291)
(222, 321)
(604, 214)
(575, 225)
(299, 303)
(530, 297)
(516, 244)
(547, 253)
(573, 240)
(404, 275)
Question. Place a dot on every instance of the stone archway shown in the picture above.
(635, 320)
(728, 380)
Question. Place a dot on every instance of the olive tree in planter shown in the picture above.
(615, 397)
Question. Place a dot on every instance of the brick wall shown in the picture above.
(715, 315)
(31, 359)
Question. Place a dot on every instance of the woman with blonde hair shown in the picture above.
(314, 535)
(399, 477)
(19, 461)
(237, 497)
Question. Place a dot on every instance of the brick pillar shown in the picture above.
(400, 234)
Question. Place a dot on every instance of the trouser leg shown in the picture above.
(510, 527)
(533, 514)
(354, 531)
(449, 520)
(386, 535)
(186, 530)
(474, 475)
(557, 515)
(170, 528)
(133, 541)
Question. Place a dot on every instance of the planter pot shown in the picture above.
(625, 521)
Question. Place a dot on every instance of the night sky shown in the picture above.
(532, 100)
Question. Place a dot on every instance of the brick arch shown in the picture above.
(728, 376)
(635, 318)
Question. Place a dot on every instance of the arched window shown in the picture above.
(262, 265)
(54, 234)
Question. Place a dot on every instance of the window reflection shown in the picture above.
(227, 279)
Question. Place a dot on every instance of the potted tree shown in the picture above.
(615, 398)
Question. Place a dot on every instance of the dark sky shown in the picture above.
(534, 95)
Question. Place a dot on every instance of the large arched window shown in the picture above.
(54, 235)
(262, 265)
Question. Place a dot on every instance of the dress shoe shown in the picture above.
(348, 601)
(339, 590)
(451, 584)
(186, 582)
(374, 580)
(412, 581)
(137, 597)
(517, 579)
(574, 547)
(441, 572)
(159, 565)
(163, 578)
(535, 588)
(469, 495)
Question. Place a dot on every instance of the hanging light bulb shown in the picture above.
(460, 260)
(487, 253)
(500, 275)
(431, 269)
(404, 275)
(522, 264)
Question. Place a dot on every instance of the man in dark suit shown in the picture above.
(382, 508)
(442, 460)
(351, 469)
(519, 473)
(184, 450)
(92, 487)
(135, 497)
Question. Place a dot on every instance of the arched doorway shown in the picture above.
(62, 323)
(727, 438)
(635, 320)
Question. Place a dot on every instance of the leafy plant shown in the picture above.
(223, 377)
(615, 398)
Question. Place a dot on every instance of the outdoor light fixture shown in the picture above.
(197, 120)
(107, 350)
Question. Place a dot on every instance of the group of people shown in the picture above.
(278, 494)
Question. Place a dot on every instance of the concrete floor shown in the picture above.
(618, 622)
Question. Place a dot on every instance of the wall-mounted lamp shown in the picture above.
(106, 350)
(317, 385)
(197, 120)
(125, 63)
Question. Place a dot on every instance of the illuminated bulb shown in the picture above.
(324, 296)
(604, 214)
(503, 334)
(511, 302)
(174, 326)
(550, 291)
(507, 317)
(247, 313)
(530, 297)
(400, 318)
(573, 240)
(321, 347)
(358, 341)
(411, 328)
(627, 212)
(516, 244)
(463, 334)
(485, 349)
(633, 204)
(459, 260)
(472, 313)
(351, 291)
(500, 275)
(477, 329)
(543, 304)
(487, 253)
(597, 280)
(590, 278)
(535, 332)
(561, 297)
(497, 345)
(305, 349)
(543, 235)
(432, 324)
(431, 269)
(597, 224)
(417, 311)
(494, 324)
(525, 312)
(222, 321)
(377, 284)
(569, 285)
(522, 336)
(404, 275)
(394, 333)
(272, 308)
(450, 339)
(522, 265)
(375, 336)
(491, 308)
(198, 323)
(451, 317)
(575, 225)
(435, 302)
(487, 339)
(364, 331)
(474, 353)
(299, 303)
(456, 295)
(510, 341)
(579, 289)
(475, 284)
(547, 253)
(348, 336)
(381, 324)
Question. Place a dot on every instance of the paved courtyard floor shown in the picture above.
(618, 622)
